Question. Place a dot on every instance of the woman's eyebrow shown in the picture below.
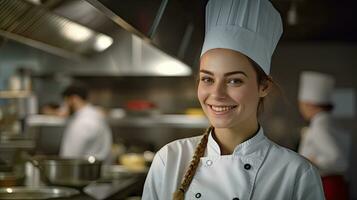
(206, 72)
(235, 72)
(226, 74)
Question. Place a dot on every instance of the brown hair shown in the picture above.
(263, 78)
(199, 152)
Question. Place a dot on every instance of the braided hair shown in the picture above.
(199, 152)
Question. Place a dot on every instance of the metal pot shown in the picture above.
(68, 172)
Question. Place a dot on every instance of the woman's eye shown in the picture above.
(235, 81)
(207, 80)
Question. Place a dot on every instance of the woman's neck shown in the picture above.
(229, 138)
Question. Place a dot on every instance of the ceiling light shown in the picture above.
(292, 16)
(37, 2)
(102, 42)
(76, 32)
(172, 68)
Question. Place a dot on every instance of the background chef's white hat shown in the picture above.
(316, 87)
(252, 27)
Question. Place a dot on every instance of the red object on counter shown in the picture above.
(335, 187)
(140, 105)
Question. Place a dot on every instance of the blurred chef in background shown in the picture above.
(87, 133)
(322, 142)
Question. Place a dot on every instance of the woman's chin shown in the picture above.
(220, 124)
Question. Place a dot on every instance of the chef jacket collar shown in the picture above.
(242, 149)
(319, 117)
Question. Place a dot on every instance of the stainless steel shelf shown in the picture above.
(15, 94)
(45, 120)
(174, 121)
(17, 144)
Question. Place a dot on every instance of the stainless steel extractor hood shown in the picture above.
(37, 26)
(71, 29)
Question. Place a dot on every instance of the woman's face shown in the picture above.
(228, 90)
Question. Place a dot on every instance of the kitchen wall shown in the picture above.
(14, 55)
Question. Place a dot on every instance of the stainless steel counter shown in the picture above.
(165, 120)
(107, 187)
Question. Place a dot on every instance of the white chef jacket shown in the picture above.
(327, 145)
(258, 169)
(87, 134)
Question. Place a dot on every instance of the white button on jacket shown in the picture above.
(258, 169)
(87, 134)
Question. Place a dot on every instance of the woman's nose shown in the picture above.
(219, 91)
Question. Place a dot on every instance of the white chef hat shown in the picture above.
(316, 87)
(252, 27)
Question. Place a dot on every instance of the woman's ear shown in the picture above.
(265, 87)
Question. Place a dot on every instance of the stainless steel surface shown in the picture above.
(162, 23)
(132, 53)
(15, 142)
(68, 172)
(158, 17)
(165, 120)
(176, 121)
(116, 182)
(39, 27)
(14, 94)
(109, 190)
(45, 120)
(109, 14)
(113, 172)
(36, 193)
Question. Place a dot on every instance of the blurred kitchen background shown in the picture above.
(140, 58)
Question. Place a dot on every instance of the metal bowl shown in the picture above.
(37, 193)
(69, 172)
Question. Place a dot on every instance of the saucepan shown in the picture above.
(68, 172)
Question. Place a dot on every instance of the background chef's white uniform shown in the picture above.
(258, 169)
(325, 145)
(323, 142)
(328, 145)
(87, 134)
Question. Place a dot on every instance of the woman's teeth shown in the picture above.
(222, 108)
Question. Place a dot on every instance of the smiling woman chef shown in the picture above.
(233, 159)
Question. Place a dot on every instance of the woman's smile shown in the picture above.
(222, 109)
